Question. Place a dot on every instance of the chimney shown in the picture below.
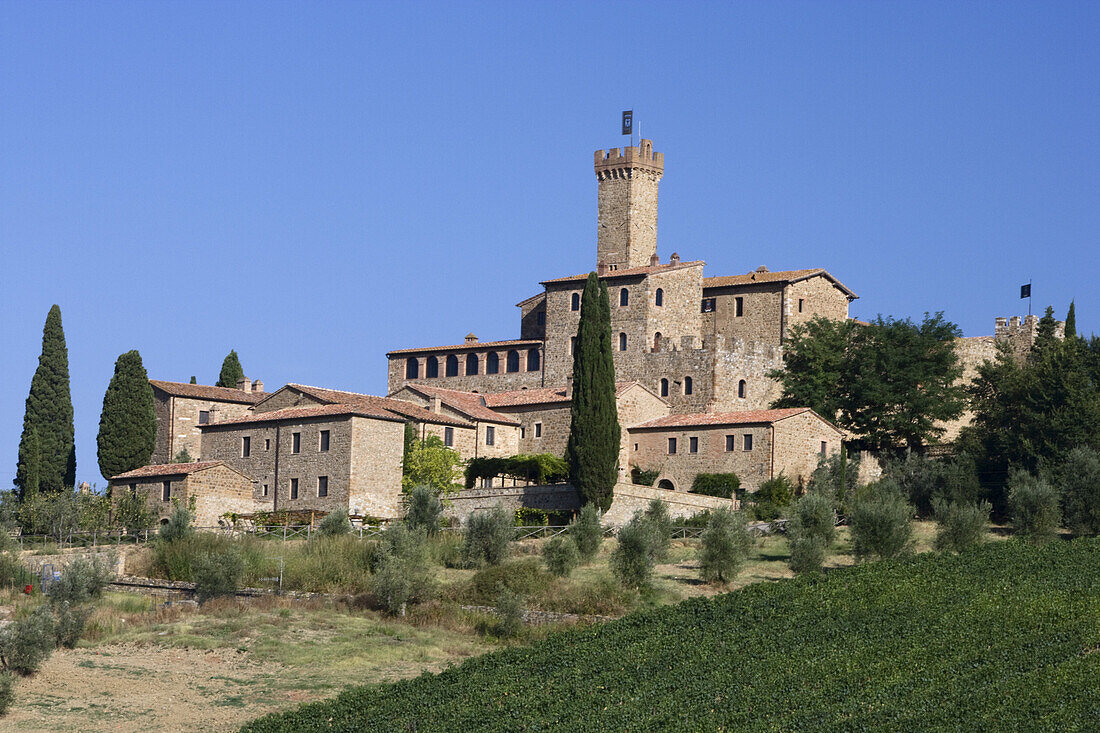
(471, 338)
(437, 404)
(244, 384)
(654, 260)
(674, 259)
(601, 268)
(257, 386)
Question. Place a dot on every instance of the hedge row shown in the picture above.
(542, 468)
(1001, 638)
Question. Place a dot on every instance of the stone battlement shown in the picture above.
(618, 163)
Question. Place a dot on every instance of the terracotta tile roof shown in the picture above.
(301, 413)
(782, 276)
(541, 395)
(376, 403)
(471, 404)
(701, 419)
(207, 392)
(536, 296)
(168, 469)
(629, 272)
(466, 347)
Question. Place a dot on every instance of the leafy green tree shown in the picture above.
(587, 533)
(1045, 333)
(634, 556)
(1070, 329)
(217, 573)
(810, 531)
(424, 509)
(657, 514)
(182, 456)
(724, 545)
(772, 496)
(1081, 491)
(430, 463)
(960, 526)
(193, 380)
(1034, 504)
(891, 382)
(925, 479)
(836, 476)
(132, 512)
(31, 460)
(128, 423)
(231, 371)
(561, 556)
(881, 521)
(594, 433)
(488, 534)
(178, 526)
(49, 416)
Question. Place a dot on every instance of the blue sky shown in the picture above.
(314, 184)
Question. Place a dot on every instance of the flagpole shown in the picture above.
(1029, 296)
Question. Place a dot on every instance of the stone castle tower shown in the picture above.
(626, 224)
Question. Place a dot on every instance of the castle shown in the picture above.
(692, 355)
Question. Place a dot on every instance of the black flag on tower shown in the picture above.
(628, 122)
(1025, 291)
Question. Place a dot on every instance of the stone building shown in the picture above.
(181, 408)
(210, 488)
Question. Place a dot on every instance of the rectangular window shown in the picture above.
(739, 306)
(204, 417)
(246, 447)
(708, 305)
(824, 447)
(324, 441)
(538, 430)
(693, 445)
(730, 441)
(800, 302)
(748, 441)
(322, 486)
(522, 432)
(293, 488)
(265, 489)
(296, 443)
(166, 491)
(635, 446)
(449, 437)
(490, 435)
(267, 443)
(671, 446)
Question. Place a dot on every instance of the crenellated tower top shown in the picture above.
(626, 223)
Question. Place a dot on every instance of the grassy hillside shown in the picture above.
(999, 639)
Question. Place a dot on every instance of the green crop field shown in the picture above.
(1004, 638)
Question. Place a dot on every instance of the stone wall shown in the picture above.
(502, 381)
(626, 219)
(798, 445)
(761, 312)
(819, 296)
(630, 498)
(216, 490)
(374, 482)
(753, 466)
(532, 320)
(736, 360)
(178, 423)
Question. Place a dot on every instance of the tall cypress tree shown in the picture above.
(128, 423)
(231, 371)
(48, 419)
(1071, 322)
(593, 448)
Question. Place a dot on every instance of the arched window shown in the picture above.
(622, 342)
(624, 297)
(452, 366)
(511, 362)
(688, 385)
(492, 363)
(431, 368)
(533, 360)
(471, 364)
(412, 368)
(657, 341)
(665, 484)
(741, 389)
(664, 388)
(660, 299)
(575, 303)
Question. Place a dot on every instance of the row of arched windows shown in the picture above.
(624, 299)
(471, 364)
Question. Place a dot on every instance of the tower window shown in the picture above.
(657, 341)
(412, 368)
(431, 369)
(575, 302)
(824, 447)
(533, 360)
(448, 437)
(471, 364)
(741, 389)
(246, 447)
(538, 430)
(672, 446)
(739, 306)
(296, 443)
(452, 366)
(659, 299)
(800, 302)
(492, 363)
(731, 442)
(748, 441)
(572, 345)
(512, 361)
(664, 388)
(293, 488)
(322, 486)
(323, 441)
(490, 435)
(688, 385)
(624, 297)
(166, 491)
(693, 444)
(622, 342)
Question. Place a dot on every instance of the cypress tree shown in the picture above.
(31, 458)
(231, 371)
(593, 448)
(193, 380)
(1071, 322)
(128, 423)
(49, 415)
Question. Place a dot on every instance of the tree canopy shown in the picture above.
(231, 371)
(890, 382)
(48, 419)
(128, 423)
(594, 434)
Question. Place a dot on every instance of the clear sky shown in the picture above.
(313, 184)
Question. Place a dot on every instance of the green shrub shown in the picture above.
(424, 510)
(174, 560)
(807, 553)
(510, 610)
(716, 484)
(12, 572)
(880, 521)
(771, 498)
(527, 516)
(81, 581)
(340, 564)
(699, 519)
(26, 643)
(526, 577)
(561, 556)
(217, 574)
(7, 691)
(723, 546)
(810, 532)
(1081, 491)
(640, 477)
(445, 549)
(587, 532)
(924, 480)
(1033, 503)
(633, 559)
(543, 468)
(656, 512)
(488, 534)
(178, 526)
(334, 524)
(69, 622)
(838, 478)
(960, 526)
(403, 573)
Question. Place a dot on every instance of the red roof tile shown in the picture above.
(470, 346)
(373, 402)
(168, 469)
(782, 276)
(724, 418)
(207, 392)
(301, 413)
(471, 404)
(629, 272)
